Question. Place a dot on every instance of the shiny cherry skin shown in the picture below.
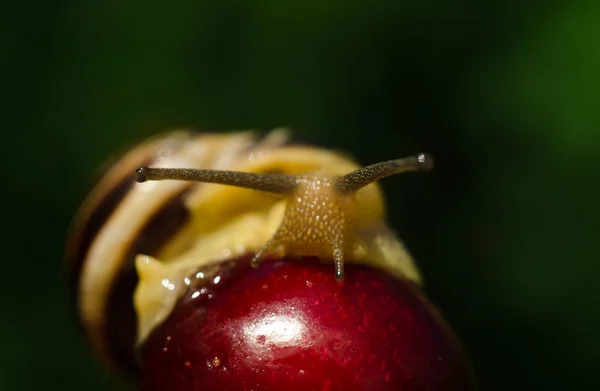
(289, 325)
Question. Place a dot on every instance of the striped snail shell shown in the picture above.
(134, 245)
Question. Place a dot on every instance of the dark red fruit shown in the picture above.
(289, 325)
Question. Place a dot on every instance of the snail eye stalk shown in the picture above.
(272, 183)
(362, 177)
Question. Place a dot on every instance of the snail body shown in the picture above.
(135, 245)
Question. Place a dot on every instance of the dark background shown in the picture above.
(505, 95)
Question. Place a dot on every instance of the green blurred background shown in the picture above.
(505, 95)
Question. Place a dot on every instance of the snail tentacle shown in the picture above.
(362, 177)
(271, 182)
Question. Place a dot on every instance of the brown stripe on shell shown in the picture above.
(121, 322)
(98, 217)
(105, 196)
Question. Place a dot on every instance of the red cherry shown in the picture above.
(288, 325)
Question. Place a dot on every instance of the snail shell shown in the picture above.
(133, 245)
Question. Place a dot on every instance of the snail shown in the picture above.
(185, 200)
